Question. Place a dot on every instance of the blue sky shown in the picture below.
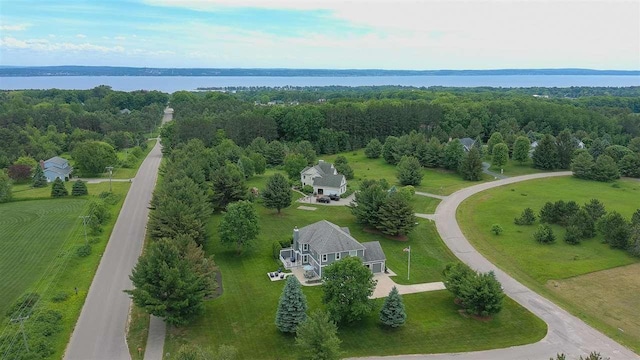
(399, 34)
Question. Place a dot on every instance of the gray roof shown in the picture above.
(328, 180)
(325, 237)
(373, 252)
(325, 167)
(57, 160)
(467, 142)
(59, 171)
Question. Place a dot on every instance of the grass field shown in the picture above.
(435, 181)
(514, 168)
(129, 173)
(424, 204)
(535, 265)
(244, 315)
(33, 233)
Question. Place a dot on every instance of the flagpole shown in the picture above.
(409, 263)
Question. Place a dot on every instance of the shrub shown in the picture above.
(526, 218)
(544, 234)
(275, 250)
(79, 188)
(307, 189)
(347, 193)
(496, 229)
(482, 295)
(573, 235)
(60, 297)
(84, 250)
(547, 213)
(23, 305)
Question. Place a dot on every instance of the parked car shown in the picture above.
(334, 197)
(323, 199)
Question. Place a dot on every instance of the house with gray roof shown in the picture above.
(56, 167)
(324, 179)
(320, 244)
(467, 143)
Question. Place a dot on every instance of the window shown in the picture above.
(305, 247)
(324, 257)
(337, 256)
(353, 253)
(305, 259)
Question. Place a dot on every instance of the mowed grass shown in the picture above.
(424, 204)
(534, 264)
(244, 315)
(33, 233)
(616, 297)
(435, 181)
(515, 168)
(129, 173)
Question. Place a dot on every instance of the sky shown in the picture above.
(355, 34)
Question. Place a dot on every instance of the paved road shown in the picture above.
(567, 334)
(100, 330)
(485, 169)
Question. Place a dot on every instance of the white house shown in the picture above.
(324, 179)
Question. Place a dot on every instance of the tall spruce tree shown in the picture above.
(277, 193)
(58, 189)
(409, 171)
(79, 188)
(292, 307)
(167, 285)
(566, 145)
(396, 216)
(317, 338)
(545, 156)
(392, 313)
(471, 166)
(39, 180)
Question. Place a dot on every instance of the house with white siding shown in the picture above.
(324, 178)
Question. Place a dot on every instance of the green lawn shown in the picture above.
(436, 181)
(129, 173)
(424, 204)
(244, 315)
(26, 192)
(516, 252)
(50, 239)
(514, 168)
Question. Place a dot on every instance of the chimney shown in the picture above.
(296, 234)
(42, 164)
(320, 161)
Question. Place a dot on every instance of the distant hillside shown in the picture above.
(134, 71)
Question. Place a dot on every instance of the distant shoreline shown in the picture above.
(39, 71)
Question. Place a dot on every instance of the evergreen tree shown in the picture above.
(373, 149)
(453, 155)
(500, 155)
(548, 213)
(595, 209)
(471, 166)
(409, 171)
(478, 143)
(167, 285)
(39, 180)
(228, 186)
(277, 193)
(630, 165)
(634, 241)
(584, 223)
(5, 187)
(432, 155)
(544, 234)
(545, 156)
(573, 235)
(367, 202)
(566, 145)
(521, 149)
(455, 276)
(396, 216)
(245, 164)
(293, 165)
(496, 138)
(482, 295)
(615, 229)
(605, 169)
(317, 338)
(390, 151)
(347, 285)
(292, 307)
(239, 225)
(342, 167)
(526, 218)
(275, 153)
(79, 188)
(582, 166)
(259, 163)
(305, 148)
(392, 313)
(597, 148)
(58, 189)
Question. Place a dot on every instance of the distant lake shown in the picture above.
(175, 83)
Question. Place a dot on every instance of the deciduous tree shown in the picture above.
(92, 157)
(239, 225)
(373, 149)
(293, 165)
(521, 149)
(347, 285)
(317, 338)
(500, 155)
(453, 155)
(496, 138)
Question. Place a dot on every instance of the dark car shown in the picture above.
(334, 197)
(323, 199)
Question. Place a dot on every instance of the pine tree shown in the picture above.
(432, 156)
(228, 186)
(595, 209)
(277, 193)
(583, 221)
(582, 165)
(392, 313)
(39, 180)
(471, 166)
(396, 216)
(482, 295)
(630, 165)
(373, 149)
(317, 338)
(79, 188)
(167, 285)
(409, 171)
(615, 230)
(521, 149)
(573, 235)
(526, 218)
(544, 234)
(605, 169)
(545, 156)
(58, 189)
(292, 308)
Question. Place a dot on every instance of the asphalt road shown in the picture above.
(566, 333)
(100, 332)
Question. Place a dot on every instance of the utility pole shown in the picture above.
(110, 170)
(21, 320)
(84, 223)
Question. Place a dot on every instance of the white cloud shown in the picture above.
(81, 36)
(14, 27)
(119, 37)
(44, 45)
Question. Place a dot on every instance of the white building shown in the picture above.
(324, 179)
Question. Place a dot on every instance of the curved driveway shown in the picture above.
(566, 333)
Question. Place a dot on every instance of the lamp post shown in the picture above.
(110, 170)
